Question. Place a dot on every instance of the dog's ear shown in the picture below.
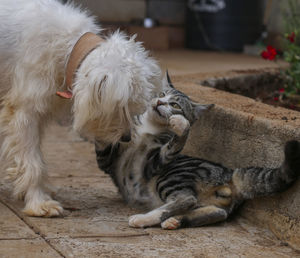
(65, 94)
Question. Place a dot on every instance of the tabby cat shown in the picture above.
(183, 191)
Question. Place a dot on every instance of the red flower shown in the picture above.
(292, 106)
(282, 90)
(291, 37)
(276, 98)
(269, 54)
(265, 55)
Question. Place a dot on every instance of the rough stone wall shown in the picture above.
(240, 132)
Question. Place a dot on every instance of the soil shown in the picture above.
(280, 100)
(263, 86)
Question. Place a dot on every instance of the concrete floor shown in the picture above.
(95, 223)
(188, 62)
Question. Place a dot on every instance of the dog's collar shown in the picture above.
(85, 45)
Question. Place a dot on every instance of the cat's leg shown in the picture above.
(196, 218)
(180, 126)
(171, 208)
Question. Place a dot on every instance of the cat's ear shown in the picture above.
(167, 84)
(168, 78)
(199, 109)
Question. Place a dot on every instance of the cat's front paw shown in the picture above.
(179, 124)
(137, 221)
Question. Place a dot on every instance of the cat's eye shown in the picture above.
(162, 94)
(175, 105)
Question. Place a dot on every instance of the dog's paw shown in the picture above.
(179, 124)
(47, 208)
(170, 223)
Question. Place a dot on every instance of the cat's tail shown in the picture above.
(253, 182)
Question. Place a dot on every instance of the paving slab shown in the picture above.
(229, 239)
(62, 159)
(26, 248)
(12, 227)
(95, 225)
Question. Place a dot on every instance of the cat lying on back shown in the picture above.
(181, 190)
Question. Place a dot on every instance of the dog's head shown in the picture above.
(113, 83)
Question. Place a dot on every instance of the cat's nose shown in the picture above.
(159, 103)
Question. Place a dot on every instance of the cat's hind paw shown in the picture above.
(170, 223)
(145, 220)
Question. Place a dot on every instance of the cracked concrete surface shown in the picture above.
(95, 221)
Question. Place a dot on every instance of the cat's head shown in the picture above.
(173, 102)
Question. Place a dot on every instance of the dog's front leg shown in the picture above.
(21, 147)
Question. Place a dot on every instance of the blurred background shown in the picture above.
(229, 25)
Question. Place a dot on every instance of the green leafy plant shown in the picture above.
(292, 47)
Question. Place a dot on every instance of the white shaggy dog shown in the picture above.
(111, 82)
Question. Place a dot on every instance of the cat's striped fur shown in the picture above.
(150, 171)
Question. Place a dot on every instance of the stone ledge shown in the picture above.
(241, 132)
(250, 84)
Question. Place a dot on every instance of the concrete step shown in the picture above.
(240, 131)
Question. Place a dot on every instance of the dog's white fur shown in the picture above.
(113, 82)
